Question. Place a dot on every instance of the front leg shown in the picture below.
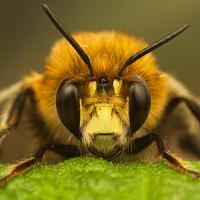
(67, 151)
(143, 142)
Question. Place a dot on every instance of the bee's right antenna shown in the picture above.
(70, 39)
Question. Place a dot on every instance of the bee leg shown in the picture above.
(191, 142)
(20, 168)
(14, 114)
(193, 106)
(141, 143)
(172, 160)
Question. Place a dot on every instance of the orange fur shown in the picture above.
(107, 51)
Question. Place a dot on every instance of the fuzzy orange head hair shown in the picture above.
(102, 88)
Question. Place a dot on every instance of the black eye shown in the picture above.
(68, 107)
(139, 104)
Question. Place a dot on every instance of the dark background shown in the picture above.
(26, 36)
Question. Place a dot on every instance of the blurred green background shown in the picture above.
(26, 36)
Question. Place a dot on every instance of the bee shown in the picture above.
(101, 94)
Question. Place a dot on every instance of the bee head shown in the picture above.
(119, 97)
(103, 114)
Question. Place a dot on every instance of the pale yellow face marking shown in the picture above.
(103, 121)
(117, 84)
(92, 88)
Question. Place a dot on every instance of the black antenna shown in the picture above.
(70, 39)
(150, 48)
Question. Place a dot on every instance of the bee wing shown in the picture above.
(180, 124)
(9, 107)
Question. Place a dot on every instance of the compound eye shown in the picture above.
(139, 104)
(68, 107)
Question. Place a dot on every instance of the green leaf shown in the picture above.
(90, 178)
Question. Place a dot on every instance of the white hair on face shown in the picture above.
(104, 117)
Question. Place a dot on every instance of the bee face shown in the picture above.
(101, 114)
(104, 119)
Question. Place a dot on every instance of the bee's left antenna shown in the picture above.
(150, 48)
(70, 39)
